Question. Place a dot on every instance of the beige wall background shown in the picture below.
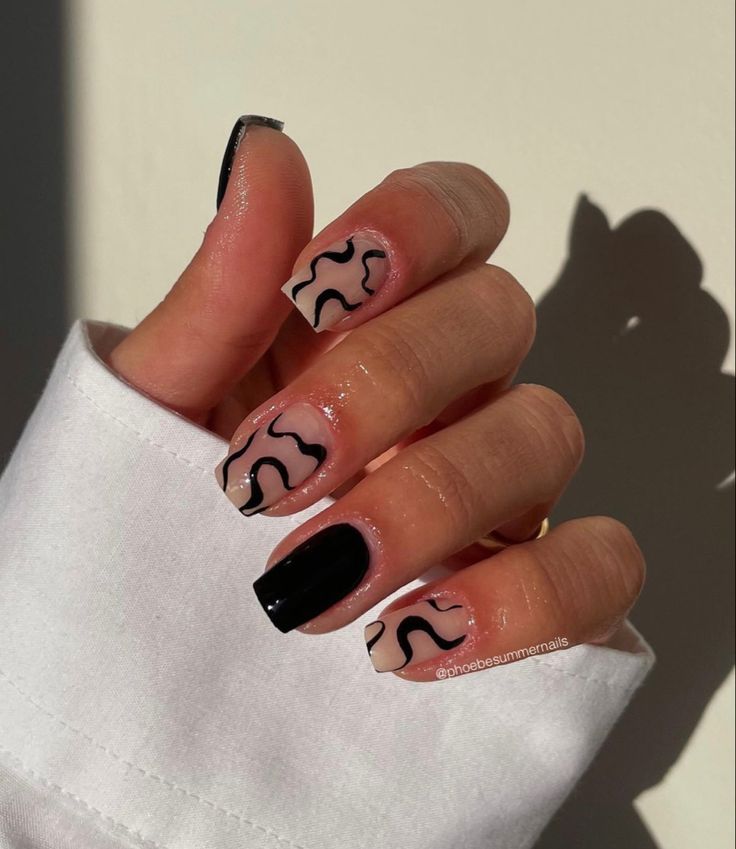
(628, 102)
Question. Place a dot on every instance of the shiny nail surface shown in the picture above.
(314, 576)
(338, 280)
(271, 461)
(416, 633)
(233, 143)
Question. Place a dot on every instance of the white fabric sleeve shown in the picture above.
(146, 700)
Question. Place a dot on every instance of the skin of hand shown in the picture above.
(404, 410)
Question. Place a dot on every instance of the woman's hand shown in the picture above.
(406, 409)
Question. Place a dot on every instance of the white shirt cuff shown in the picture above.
(146, 699)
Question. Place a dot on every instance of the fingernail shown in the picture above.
(317, 574)
(416, 633)
(233, 143)
(266, 464)
(338, 280)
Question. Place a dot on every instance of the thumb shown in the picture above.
(224, 311)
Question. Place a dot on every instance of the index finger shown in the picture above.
(225, 309)
(413, 227)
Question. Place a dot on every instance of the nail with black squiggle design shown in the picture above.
(338, 280)
(266, 464)
(416, 633)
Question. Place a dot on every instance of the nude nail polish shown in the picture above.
(233, 143)
(338, 280)
(265, 465)
(416, 633)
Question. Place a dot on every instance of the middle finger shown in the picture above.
(381, 383)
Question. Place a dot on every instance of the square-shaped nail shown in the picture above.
(271, 461)
(314, 576)
(416, 633)
(338, 280)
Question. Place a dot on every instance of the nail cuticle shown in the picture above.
(275, 458)
(371, 534)
(317, 574)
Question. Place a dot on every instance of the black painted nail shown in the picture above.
(313, 577)
(233, 143)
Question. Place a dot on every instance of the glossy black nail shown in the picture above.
(233, 143)
(314, 576)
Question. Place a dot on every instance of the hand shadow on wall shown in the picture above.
(627, 335)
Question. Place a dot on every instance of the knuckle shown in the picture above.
(462, 198)
(479, 290)
(395, 358)
(516, 306)
(440, 202)
(499, 315)
(482, 199)
(441, 476)
(594, 572)
(552, 423)
(625, 567)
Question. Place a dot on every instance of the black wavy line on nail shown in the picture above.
(418, 623)
(364, 261)
(433, 603)
(234, 456)
(309, 449)
(373, 640)
(256, 492)
(330, 295)
(334, 256)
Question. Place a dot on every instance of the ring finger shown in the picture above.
(430, 500)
